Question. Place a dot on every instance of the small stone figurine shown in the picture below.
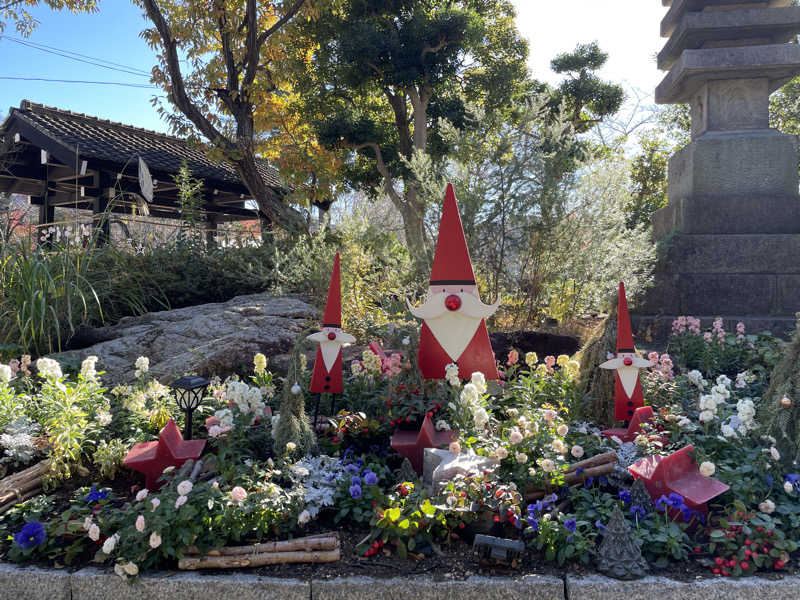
(620, 556)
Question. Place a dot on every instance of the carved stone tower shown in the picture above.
(731, 231)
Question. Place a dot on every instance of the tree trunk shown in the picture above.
(414, 228)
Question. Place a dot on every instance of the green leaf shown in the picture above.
(402, 552)
(404, 524)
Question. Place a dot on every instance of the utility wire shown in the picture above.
(82, 58)
(120, 83)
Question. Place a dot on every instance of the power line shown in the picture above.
(120, 83)
(82, 58)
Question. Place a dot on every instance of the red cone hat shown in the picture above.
(333, 307)
(624, 331)
(451, 264)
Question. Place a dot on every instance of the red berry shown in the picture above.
(719, 562)
(715, 571)
(725, 573)
(697, 550)
(747, 542)
(408, 420)
(745, 565)
(429, 414)
(336, 440)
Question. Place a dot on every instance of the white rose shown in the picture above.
(110, 544)
(767, 507)
(184, 487)
(180, 501)
(87, 522)
(155, 540)
(141, 495)
(479, 381)
(130, 568)
(155, 502)
(94, 532)
(707, 469)
(455, 447)
(577, 451)
(706, 416)
(291, 446)
(521, 457)
(788, 487)
(501, 453)
(304, 517)
(773, 452)
(562, 430)
(515, 437)
(548, 466)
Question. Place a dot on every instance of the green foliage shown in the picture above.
(190, 202)
(17, 12)
(108, 457)
(44, 296)
(648, 179)
(587, 98)
(293, 435)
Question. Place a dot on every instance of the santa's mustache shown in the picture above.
(471, 306)
(619, 363)
(341, 338)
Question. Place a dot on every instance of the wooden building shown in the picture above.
(64, 159)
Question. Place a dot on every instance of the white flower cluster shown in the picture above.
(224, 418)
(5, 373)
(247, 399)
(696, 378)
(371, 362)
(142, 365)
(88, 368)
(710, 403)
(451, 375)
(49, 369)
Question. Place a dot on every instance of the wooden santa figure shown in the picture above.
(628, 395)
(327, 375)
(454, 318)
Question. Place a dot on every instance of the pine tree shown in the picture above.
(293, 425)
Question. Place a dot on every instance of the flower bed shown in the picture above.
(526, 431)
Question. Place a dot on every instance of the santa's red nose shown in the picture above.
(332, 335)
(628, 361)
(452, 302)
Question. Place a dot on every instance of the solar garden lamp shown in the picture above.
(189, 391)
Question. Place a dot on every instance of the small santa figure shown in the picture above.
(454, 318)
(628, 395)
(327, 375)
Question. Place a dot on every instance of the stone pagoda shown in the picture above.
(731, 231)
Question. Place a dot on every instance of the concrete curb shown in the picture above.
(34, 583)
(534, 587)
(597, 587)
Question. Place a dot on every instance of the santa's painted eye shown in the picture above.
(443, 290)
(462, 291)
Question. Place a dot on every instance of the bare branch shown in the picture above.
(178, 87)
(388, 182)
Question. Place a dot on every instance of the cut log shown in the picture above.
(574, 479)
(10, 494)
(301, 544)
(600, 459)
(9, 505)
(257, 560)
(34, 472)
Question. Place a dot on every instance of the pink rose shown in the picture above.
(513, 357)
(238, 494)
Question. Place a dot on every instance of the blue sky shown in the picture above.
(628, 31)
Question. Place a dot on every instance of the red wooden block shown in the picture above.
(151, 458)
(412, 444)
(677, 473)
(377, 350)
(642, 415)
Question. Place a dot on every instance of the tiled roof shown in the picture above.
(118, 143)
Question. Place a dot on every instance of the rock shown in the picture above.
(543, 344)
(440, 466)
(209, 339)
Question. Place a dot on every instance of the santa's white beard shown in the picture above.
(331, 348)
(453, 329)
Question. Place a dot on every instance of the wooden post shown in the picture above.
(100, 216)
(47, 215)
(211, 231)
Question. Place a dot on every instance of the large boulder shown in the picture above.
(209, 339)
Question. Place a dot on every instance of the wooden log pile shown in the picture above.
(321, 548)
(23, 485)
(602, 464)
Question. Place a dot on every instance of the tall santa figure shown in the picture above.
(327, 375)
(628, 395)
(454, 318)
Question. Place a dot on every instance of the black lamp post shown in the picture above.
(189, 392)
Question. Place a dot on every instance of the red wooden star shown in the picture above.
(151, 458)
(412, 444)
(677, 473)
